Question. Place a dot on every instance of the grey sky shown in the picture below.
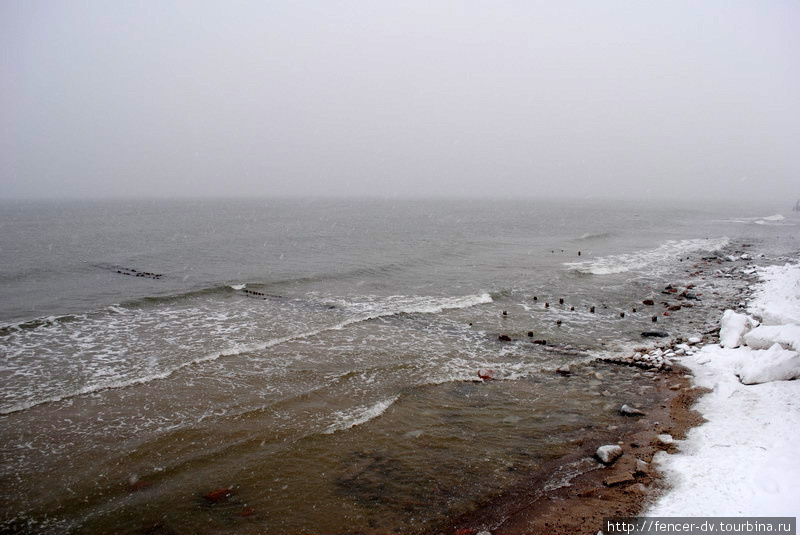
(114, 98)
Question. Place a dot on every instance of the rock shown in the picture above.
(608, 454)
(665, 439)
(247, 511)
(636, 488)
(627, 410)
(484, 533)
(530, 334)
(695, 340)
(540, 342)
(674, 308)
(486, 374)
(642, 467)
(504, 338)
(564, 370)
(619, 479)
(219, 495)
(655, 334)
(648, 302)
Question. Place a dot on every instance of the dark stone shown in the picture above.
(504, 338)
(561, 301)
(621, 314)
(530, 334)
(655, 334)
(591, 310)
(540, 342)
(674, 308)
(654, 319)
(648, 302)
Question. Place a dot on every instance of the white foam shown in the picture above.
(358, 415)
(238, 286)
(117, 368)
(647, 259)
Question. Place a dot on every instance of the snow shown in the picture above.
(732, 328)
(777, 300)
(765, 336)
(743, 461)
(773, 364)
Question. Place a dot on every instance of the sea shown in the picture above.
(312, 365)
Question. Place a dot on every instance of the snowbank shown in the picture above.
(743, 461)
(777, 300)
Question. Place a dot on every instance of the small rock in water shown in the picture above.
(564, 370)
(219, 495)
(486, 374)
(695, 340)
(609, 453)
(655, 334)
(648, 302)
(504, 338)
(627, 410)
(540, 342)
(530, 334)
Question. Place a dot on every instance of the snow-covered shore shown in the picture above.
(744, 460)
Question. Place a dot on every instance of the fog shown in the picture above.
(400, 99)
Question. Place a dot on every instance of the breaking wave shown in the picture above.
(369, 310)
(649, 258)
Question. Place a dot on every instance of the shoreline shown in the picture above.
(619, 489)
(579, 505)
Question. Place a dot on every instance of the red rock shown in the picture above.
(666, 313)
(486, 374)
(219, 495)
(247, 511)
(139, 485)
(648, 302)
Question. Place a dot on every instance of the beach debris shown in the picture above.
(219, 495)
(504, 338)
(627, 410)
(608, 454)
(486, 374)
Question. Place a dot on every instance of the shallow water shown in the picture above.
(339, 398)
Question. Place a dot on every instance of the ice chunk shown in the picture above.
(732, 328)
(766, 336)
(773, 364)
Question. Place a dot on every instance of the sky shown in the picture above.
(521, 99)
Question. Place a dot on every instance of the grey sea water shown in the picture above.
(316, 357)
